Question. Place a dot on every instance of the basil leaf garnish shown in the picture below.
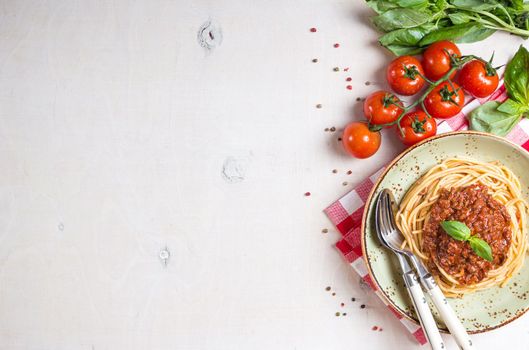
(481, 248)
(458, 230)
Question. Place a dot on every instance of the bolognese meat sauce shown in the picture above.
(487, 219)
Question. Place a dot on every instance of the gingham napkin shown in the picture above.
(346, 213)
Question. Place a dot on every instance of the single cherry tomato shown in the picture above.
(478, 78)
(437, 59)
(382, 107)
(445, 100)
(359, 141)
(416, 126)
(404, 75)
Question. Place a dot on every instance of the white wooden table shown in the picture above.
(152, 189)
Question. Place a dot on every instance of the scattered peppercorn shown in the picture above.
(313, 30)
(358, 99)
(337, 314)
(319, 105)
(368, 83)
(336, 69)
(342, 304)
(362, 306)
(349, 87)
(380, 329)
(307, 194)
(345, 313)
(339, 139)
(333, 294)
(315, 60)
(328, 288)
(333, 129)
(325, 231)
(336, 45)
(348, 79)
(344, 183)
(334, 171)
(326, 129)
(353, 299)
(349, 172)
(346, 69)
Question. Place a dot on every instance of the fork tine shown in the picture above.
(384, 212)
(389, 207)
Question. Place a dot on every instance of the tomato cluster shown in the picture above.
(442, 97)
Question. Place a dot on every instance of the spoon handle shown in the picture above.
(448, 315)
(423, 311)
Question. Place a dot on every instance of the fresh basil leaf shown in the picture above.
(487, 118)
(411, 3)
(460, 17)
(479, 5)
(407, 36)
(512, 107)
(517, 4)
(381, 6)
(461, 33)
(399, 50)
(517, 76)
(400, 18)
(456, 230)
(481, 248)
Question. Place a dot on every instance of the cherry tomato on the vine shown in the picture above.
(416, 126)
(404, 75)
(479, 78)
(445, 100)
(437, 59)
(359, 141)
(382, 107)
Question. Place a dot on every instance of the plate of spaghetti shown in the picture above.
(462, 208)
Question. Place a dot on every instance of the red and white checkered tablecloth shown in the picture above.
(346, 212)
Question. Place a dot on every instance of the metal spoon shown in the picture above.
(394, 239)
(388, 239)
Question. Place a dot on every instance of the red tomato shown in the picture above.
(444, 101)
(436, 61)
(478, 78)
(403, 75)
(416, 126)
(382, 107)
(359, 141)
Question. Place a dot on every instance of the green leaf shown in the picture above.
(400, 18)
(407, 36)
(512, 107)
(517, 76)
(456, 230)
(461, 33)
(487, 118)
(399, 50)
(481, 248)
(517, 4)
(381, 6)
(475, 4)
(411, 3)
(460, 17)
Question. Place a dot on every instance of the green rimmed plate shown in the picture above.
(481, 311)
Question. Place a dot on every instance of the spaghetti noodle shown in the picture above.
(455, 178)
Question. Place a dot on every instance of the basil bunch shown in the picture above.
(499, 118)
(461, 232)
(410, 25)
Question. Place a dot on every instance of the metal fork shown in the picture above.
(386, 235)
(394, 238)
